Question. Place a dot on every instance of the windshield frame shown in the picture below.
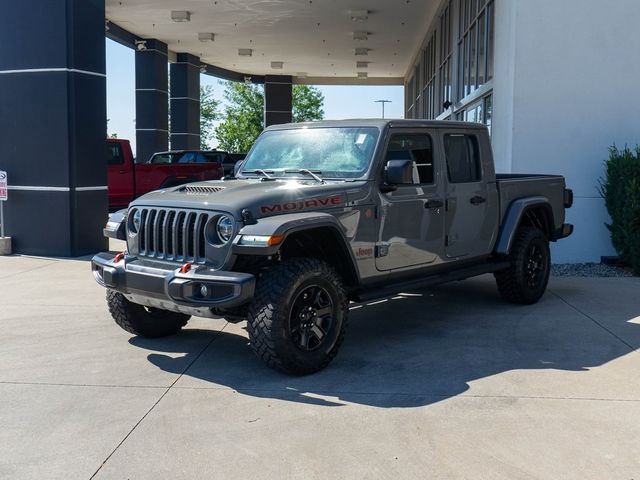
(282, 176)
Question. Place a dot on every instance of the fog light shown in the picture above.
(204, 291)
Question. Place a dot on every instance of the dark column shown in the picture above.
(152, 100)
(185, 102)
(277, 99)
(53, 125)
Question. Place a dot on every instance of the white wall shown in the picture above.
(566, 87)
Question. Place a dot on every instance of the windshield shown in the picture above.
(331, 152)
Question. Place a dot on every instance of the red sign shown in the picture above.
(3, 185)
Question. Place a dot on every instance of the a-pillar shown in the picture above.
(185, 102)
(53, 125)
(152, 100)
(278, 96)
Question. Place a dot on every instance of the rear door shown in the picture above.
(471, 204)
(411, 218)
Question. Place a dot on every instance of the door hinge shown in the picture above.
(382, 251)
(446, 240)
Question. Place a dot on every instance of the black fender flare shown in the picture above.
(116, 225)
(286, 225)
(514, 216)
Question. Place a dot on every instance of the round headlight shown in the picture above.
(224, 228)
(134, 223)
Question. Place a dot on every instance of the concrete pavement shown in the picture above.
(449, 382)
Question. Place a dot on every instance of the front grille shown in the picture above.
(175, 235)
(199, 189)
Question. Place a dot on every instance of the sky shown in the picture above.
(339, 101)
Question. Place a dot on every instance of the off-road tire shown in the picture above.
(143, 321)
(270, 315)
(516, 284)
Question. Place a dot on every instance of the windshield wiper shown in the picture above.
(265, 173)
(308, 172)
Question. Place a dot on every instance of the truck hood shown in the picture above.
(261, 198)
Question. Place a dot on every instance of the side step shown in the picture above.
(428, 281)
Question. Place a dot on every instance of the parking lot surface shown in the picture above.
(449, 382)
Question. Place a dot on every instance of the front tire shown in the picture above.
(144, 321)
(298, 318)
(525, 281)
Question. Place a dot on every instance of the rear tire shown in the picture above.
(298, 318)
(143, 321)
(525, 281)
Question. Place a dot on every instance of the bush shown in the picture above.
(620, 189)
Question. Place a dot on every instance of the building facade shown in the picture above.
(555, 82)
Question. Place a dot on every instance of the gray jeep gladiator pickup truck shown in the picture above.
(320, 214)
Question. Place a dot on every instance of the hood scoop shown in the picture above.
(199, 189)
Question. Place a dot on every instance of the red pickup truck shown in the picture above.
(128, 180)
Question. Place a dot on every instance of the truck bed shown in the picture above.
(512, 186)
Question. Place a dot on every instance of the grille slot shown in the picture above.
(175, 235)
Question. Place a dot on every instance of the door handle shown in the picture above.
(477, 200)
(433, 204)
(124, 171)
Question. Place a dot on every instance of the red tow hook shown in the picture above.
(185, 268)
(119, 257)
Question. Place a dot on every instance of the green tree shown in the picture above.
(243, 117)
(208, 115)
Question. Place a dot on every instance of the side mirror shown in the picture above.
(399, 172)
(236, 168)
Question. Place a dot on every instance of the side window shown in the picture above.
(417, 148)
(212, 157)
(114, 154)
(463, 161)
(161, 158)
(188, 157)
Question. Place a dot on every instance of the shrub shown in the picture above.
(620, 188)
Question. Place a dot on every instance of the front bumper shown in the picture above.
(170, 289)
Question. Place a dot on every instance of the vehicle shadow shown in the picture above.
(407, 351)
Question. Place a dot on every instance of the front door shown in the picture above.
(411, 218)
(119, 176)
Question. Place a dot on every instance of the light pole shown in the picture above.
(382, 102)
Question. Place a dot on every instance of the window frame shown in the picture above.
(476, 145)
(431, 138)
(119, 147)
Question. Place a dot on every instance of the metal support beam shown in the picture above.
(278, 98)
(152, 100)
(53, 125)
(185, 102)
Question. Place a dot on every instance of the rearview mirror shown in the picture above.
(399, 172)
(237, 167)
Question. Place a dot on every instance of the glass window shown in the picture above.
(463, 162)
(475, 45)
(189, 157)
(418, 149)
(334, 152)
(162, 158)
(114, 154)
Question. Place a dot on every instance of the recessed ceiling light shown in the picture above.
(359, 15)
(180, 16)
(362, 51)
(206, 37)
(363, 74)
(360, 35)
(362, 64)
(277, 65)
(245, 52)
